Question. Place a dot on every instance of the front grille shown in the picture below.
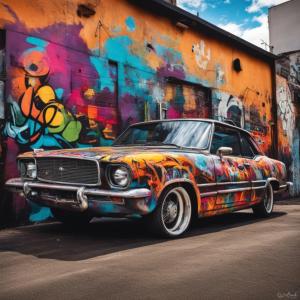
(68, 170)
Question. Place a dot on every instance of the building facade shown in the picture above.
(288, 108)
(76, 74)
(284, 27)
(285, 18)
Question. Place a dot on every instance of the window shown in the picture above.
(248, 149)
(226, 137)
(188, 100)
(162, 110)
(193, 134)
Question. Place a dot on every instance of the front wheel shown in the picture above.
(172, 217)
(71, 218)
(265, 207)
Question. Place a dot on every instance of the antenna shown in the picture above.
(267, 46)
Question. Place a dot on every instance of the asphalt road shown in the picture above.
(233, 256)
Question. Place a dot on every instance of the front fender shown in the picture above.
(156, 171)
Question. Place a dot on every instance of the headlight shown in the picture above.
(119, 176)
(31, 170)
(28, 169)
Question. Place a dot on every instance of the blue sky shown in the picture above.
(247, 19)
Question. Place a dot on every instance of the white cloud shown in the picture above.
(260, 34)
(256, 35)
(193, 6)
(262, 19)
(233, 28)
(257, 5)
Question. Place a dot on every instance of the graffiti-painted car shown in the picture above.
(164, 171)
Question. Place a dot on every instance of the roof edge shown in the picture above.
(213, 29)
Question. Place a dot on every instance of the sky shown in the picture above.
(247, 19)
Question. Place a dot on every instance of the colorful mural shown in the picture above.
(76, 82)
(288, 110)
(44, 110)
(231, 108)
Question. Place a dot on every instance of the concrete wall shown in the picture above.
(284, 27)
(77, 81)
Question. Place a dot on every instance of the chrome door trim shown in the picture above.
(222, 183)
(214, 193)
(230, 182)
(234, 190)
(208, 194)
(258, 187)
(225, 191)
(259, 181)
(207, 184)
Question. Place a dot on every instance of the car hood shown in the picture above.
(108, 153)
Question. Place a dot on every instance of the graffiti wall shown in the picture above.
(288, 111)
(77, 78)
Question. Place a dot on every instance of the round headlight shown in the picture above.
(31, 170)
(120, 176)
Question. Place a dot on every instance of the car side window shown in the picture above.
(224, 137)
(248, 149)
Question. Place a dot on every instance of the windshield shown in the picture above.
(192, 134)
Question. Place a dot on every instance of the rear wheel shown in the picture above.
(72, 218)
(172, 217)
(265, 207)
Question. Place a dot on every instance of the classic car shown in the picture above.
(165, 171)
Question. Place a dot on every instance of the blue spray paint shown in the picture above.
(59, 93)
(130, 23)
(39, 213)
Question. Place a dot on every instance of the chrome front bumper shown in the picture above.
(31, 189)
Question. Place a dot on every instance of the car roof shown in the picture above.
(193, 119)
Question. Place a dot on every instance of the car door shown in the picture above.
(232, 176)
(252, 158)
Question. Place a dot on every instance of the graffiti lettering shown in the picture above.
(202, 55)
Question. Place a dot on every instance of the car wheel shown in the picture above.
(72, 218)
(265, 207)
(172, 217)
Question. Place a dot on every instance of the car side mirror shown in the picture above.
(224, 151)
